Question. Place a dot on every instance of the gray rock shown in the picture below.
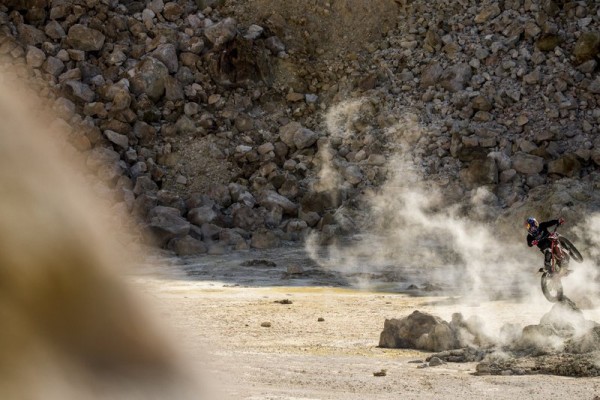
(156, 6)
(167, 54)
(352, 174)
(79, 91)
(54, 30)
(488, 12)
(254, 32)
(304, 138)
(431, 74)
(117, 138)
(221, 32)
(35, 57)
(210, 232)
(166, 223)
(231, 237)
(568, 165)
(30, 35)
(417, 331)
(187, 246)
(527, 163)
(219, 194)
(274, 44)
(287, 132)
(594, 86)
(144, 184)
(240, 193)
(247, 218)
(201, 215)
(587, 46)
(83, 38)
(270, 199)
(144, 132)
(121, 100)
(264, 239)
(172, 11)
(53, 66)
(435, 361)
(148, 77)
(455, 78)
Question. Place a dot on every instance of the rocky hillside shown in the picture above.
(233, 124)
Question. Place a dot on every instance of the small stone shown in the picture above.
(294, 97)
(35, 57)
(383, 372)
(182, 180)
(320, 319)
(265, 324)
(295, 270)
(522, 120)
(435, 361)
(118, 139)
(254, 32)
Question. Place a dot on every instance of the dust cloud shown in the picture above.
(412, 228)
(71, 327)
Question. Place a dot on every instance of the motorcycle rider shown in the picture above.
(538, 236)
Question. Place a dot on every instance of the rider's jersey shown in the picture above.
(542, 235)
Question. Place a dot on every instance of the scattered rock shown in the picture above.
(435, 361)
(81, 37)
(258, 263)
(295, 270)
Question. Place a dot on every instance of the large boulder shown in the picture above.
(587, 46)
(202, 215)
(431, 74)
(418, 331)
(166, 223)
(295, 135)
(187, 246)
(167, 54)
(264, 239)
(271, 199)
(81, 37)
(247, 218)
(456, 77)
(220, 194)
(149, 77)
(527, 163)
(568, 165)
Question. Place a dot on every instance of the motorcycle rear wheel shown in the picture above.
(552, 287)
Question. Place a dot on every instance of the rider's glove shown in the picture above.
(561, 221)
(534, 242)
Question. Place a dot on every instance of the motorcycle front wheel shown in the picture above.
(552, 287)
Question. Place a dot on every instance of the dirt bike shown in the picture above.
(562, 250)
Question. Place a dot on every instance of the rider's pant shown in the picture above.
(547, 258)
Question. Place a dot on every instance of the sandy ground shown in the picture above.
(215, 309)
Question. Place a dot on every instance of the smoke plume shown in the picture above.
(415, 227)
